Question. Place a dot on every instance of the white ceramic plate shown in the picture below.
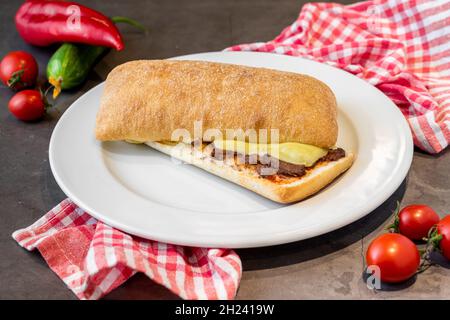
(143, 192)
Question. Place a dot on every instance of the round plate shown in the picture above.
(143, 192)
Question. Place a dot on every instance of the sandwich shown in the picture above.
(269, 131)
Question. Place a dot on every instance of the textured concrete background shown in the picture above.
(328, 266)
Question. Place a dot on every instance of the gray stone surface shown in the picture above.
(329, 266)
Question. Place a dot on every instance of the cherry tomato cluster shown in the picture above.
(19, 70)
(395, 253)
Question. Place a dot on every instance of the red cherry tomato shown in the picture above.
(395, 255)
(415, 221)
(443, 228)
(27, 105)
(18, 69)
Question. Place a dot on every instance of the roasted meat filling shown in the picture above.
(284, 168)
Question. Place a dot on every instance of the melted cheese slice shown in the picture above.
(292, 152)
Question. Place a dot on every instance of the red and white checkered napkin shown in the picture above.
(400, 46)
(93, 258)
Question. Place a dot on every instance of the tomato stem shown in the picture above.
(432, 243)
(393, 227)
(47, 105)
(16, 78)
(47, 90)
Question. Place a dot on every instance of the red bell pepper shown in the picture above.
(43, 23)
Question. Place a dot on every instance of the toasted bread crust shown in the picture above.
(283, 191)
(147, 100)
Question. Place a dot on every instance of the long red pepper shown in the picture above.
(42, 23)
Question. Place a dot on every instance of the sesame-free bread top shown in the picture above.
(146, 100)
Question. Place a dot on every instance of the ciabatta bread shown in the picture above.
(147, 100)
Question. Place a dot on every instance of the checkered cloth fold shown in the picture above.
(401, 47)
(93, 258)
